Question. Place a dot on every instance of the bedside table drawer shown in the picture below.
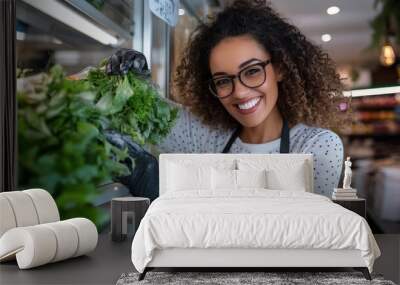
(357, 206)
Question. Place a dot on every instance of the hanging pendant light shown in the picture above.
(387, 56)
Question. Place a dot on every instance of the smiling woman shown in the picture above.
(251, 100)
(250, 82)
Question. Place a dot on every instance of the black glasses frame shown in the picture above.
(263, 64)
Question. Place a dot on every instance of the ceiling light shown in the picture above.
(326, 37)
(181, 12)
(372, 91)
(387, 56)
(333, 10)
(69, 17)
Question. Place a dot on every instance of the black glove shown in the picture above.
(143, 181)
(127, 59)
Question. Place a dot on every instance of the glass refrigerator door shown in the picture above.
(63, 145)
(72, 33)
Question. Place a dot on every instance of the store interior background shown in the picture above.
(373, 138)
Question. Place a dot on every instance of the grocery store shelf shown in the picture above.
(377, 107)
(372, 91)
(375, 117)
(373, 135)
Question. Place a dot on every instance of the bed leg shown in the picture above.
(364, 271)
(143, 274)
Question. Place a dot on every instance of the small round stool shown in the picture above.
(126, 214)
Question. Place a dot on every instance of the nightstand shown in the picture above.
(126, 214)
(358, 205)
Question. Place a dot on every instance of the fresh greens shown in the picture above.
(132, 106)
(60, 133)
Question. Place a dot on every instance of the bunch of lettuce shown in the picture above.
(132, 106)
(60, 133)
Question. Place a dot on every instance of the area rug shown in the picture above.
(243, 278)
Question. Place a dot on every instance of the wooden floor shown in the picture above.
(110, 260)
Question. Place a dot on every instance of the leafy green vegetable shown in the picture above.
(60, 133)
(133, 106)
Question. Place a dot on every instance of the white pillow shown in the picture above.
(183, 178)
(251, 178)
(293, 179)
(203, 160)
(224, 179)
(230, 180)
(282, 174)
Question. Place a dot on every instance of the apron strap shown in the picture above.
(231, 140)
(284, 145)
(285, 138)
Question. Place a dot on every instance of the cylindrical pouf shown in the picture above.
(45, 205)
(67, 240)
(126, 212)
(87, 235)
(33, 246)
(26, 208)
(40, 244)
(23, 208)
(7, 218)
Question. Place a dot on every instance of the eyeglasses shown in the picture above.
(252, 76)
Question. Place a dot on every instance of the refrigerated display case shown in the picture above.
(80, 33)
(76, 35)
(372, 141)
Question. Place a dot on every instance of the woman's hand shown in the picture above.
(144, 177)
(127, 59)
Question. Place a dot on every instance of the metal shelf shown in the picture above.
(99, 18)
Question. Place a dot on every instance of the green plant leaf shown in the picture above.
(105, 103)
(122, 94)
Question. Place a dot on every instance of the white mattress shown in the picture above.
(252, 218)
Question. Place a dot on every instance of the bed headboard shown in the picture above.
(216, 158)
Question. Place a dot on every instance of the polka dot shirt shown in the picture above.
(190, 135)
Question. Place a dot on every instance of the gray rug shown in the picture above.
(242, 278)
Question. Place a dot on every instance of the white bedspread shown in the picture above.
(252, 218)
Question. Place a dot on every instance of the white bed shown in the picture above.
(248, 226)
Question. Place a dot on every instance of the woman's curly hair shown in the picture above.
(309, 90)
